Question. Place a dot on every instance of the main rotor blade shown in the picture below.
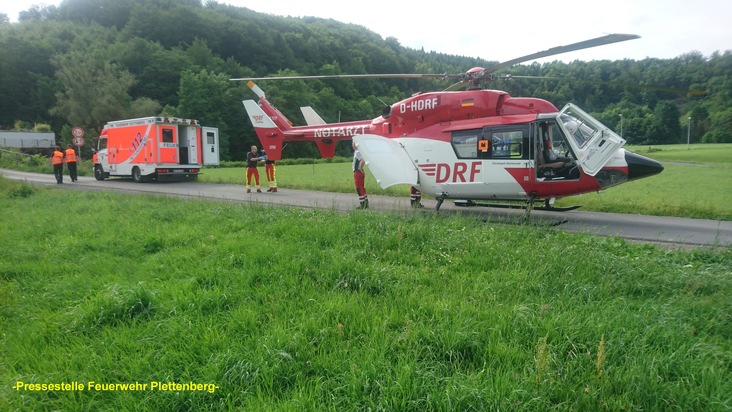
(609, 83)
(351, 76)
(600, 41)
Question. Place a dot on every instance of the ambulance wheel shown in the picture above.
(98, 172)
(136, 174)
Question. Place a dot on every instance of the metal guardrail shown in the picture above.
(14, 152)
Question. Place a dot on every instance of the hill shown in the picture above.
(84, 63)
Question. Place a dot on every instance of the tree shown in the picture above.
(721, 128)
(665, 126)
(700, 123)
(96, 91)
(27, 78)
(202, 96)
(150, 43)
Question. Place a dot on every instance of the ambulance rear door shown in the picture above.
(188, 148)
(210, 146)
(167, 142)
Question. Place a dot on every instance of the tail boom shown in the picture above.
(273, 130)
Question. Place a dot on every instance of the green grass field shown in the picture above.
(696, 183)
(311, 310)
(714, 154)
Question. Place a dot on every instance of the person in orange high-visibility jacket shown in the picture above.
(71, 161)
(57, 160)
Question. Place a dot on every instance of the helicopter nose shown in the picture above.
(641, 166)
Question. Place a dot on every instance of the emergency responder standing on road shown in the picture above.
(415, 197)
(57, 160)
(71, 161)
(359, 177)
(253, 160)
(270, 170)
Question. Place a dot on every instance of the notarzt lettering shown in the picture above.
(340, 131)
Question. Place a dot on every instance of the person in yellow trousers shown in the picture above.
(271, 171)
(57, 160)
(253, 159)
(71, 161)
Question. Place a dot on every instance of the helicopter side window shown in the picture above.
(465, 143)
(507, 142)
(492, 143)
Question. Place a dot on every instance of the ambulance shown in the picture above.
(155, 148)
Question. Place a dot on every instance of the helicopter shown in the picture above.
(471, 146)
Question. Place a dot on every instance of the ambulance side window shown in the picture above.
(102, 143)
(167, 136)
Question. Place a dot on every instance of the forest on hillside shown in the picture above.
(86, 62)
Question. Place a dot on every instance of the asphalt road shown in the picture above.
(668, 231)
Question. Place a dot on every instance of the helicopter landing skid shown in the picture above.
(546, 207)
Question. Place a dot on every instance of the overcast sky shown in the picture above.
(503, 30)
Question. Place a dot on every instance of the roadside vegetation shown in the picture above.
(289, 309)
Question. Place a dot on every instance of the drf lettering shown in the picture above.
(457, 173)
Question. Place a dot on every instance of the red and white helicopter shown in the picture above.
(472, 145)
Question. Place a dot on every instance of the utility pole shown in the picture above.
(621, 124)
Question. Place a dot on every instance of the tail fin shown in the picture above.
(312, 118)
(277, 117)
(270, 135)
(326, 147)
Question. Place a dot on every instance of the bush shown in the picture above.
(21, 190)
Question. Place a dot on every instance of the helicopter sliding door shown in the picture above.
(494, 158)
(554, 158)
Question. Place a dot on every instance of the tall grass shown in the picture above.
(288, 309)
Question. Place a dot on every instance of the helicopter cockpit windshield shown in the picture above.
(578, 128)
(592, 142)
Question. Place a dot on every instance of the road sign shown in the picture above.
(79, 141)
(78, 132)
